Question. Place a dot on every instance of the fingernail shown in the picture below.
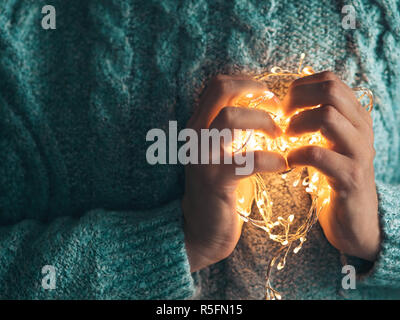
(278, 131)
(289, 132)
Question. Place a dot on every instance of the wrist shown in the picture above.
(202, 255)
(197, 261)
(202, 248)
(369, 250)
(368, 244)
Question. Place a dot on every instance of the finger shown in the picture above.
(332, 125)
(245, 118)
(252, 162)
(324, 93)
(216, 79)
(330, 76)
(334, 165)
(325, 88)
(266, 161)
(316, 77)
(223, 91)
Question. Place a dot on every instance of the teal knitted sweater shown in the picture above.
(76, 103)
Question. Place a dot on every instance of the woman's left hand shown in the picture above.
(350, 222)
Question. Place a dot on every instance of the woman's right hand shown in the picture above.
(212, 227)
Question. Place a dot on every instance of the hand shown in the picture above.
(212, 227)
(350, 222)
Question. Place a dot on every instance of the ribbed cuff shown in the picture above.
(142, 255)
(385, 272)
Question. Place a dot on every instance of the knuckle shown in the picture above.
(327, 75)
(365, 114)
(219, 78)
(226, 115)
(227, 86)
(356, 176)
(329, 116)
(314, 154)
(330, 88)
(364, 156)
(373, 152)
(220, 83)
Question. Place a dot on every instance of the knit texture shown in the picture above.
(76, 191)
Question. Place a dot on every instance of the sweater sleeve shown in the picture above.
(103, 255)
(100, 254)
(385, 271)
(96, 254)
(380, 59)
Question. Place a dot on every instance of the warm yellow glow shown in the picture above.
(285, 231)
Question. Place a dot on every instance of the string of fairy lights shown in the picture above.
(254, 204)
